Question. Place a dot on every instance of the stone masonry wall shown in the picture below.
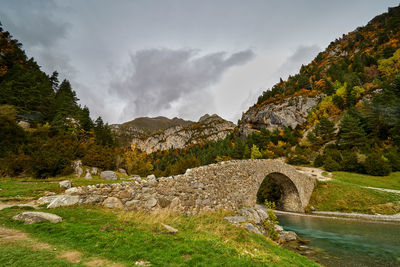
(228, 185)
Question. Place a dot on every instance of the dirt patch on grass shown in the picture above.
(102, 262)
(39, 246)
(11, 235)
(71, 256)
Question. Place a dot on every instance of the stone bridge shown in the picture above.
(226, 185)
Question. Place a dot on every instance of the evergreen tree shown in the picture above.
(325, 129)
(351, 134)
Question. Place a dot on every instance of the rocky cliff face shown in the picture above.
(144, 126)
(291, 111)
(208, 128)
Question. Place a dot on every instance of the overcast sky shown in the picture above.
(180, 58)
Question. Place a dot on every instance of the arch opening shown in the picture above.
(277, 187)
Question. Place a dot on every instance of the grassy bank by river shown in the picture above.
(346, 192)
(123, 238)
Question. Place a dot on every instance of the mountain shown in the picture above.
(350, 70)
(208, 128)
(144, 126)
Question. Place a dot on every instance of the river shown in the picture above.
(341, 242)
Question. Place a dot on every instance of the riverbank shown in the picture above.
(345, 216)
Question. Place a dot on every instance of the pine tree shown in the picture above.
(351, 134)
(325, 130)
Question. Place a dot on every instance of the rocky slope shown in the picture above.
(144, 126)
(291, 112)
(351, 69)
(208, 128)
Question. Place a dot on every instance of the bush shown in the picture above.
(333, 153)
(52, 158)
(394, 158)
(376, 165)
(319, 161)
(350, 162)
(100, 156)
(331, 165)
(297, 159)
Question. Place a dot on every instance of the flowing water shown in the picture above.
(341, 242)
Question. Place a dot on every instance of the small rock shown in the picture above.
(113, 202)
(256, 217)
(31, 217)
(72, 191)
(94, 171)
(235, 219)
(63, 200)
(66, 184)
(278, 228)
(142, 263)
(174, 203)
(132, 203)
(286, 236)
(46, 199)
(263, 215)
(151, 202)
(123, 171)
(88, 175)
(77, 166)
(252, 228)
(151, 178)
(170, 228)
(108, 175)
(312, 208)
(24, 125)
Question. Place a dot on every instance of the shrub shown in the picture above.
(100, 156)
(350, 162)
(297, 159)
(333, 153)
(376, 165)
(394, 158)
(331, 165)
(319, 161)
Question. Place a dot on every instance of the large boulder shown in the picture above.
(63, 200)
(31, 217)
(66, 184)
(108, 175)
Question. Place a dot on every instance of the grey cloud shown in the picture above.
(160, 79)
(302, 55)
(35, 23)
(39, 26)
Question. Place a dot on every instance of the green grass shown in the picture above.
(390, 182)
(125, 237)
(345, 197)
(29, 188)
